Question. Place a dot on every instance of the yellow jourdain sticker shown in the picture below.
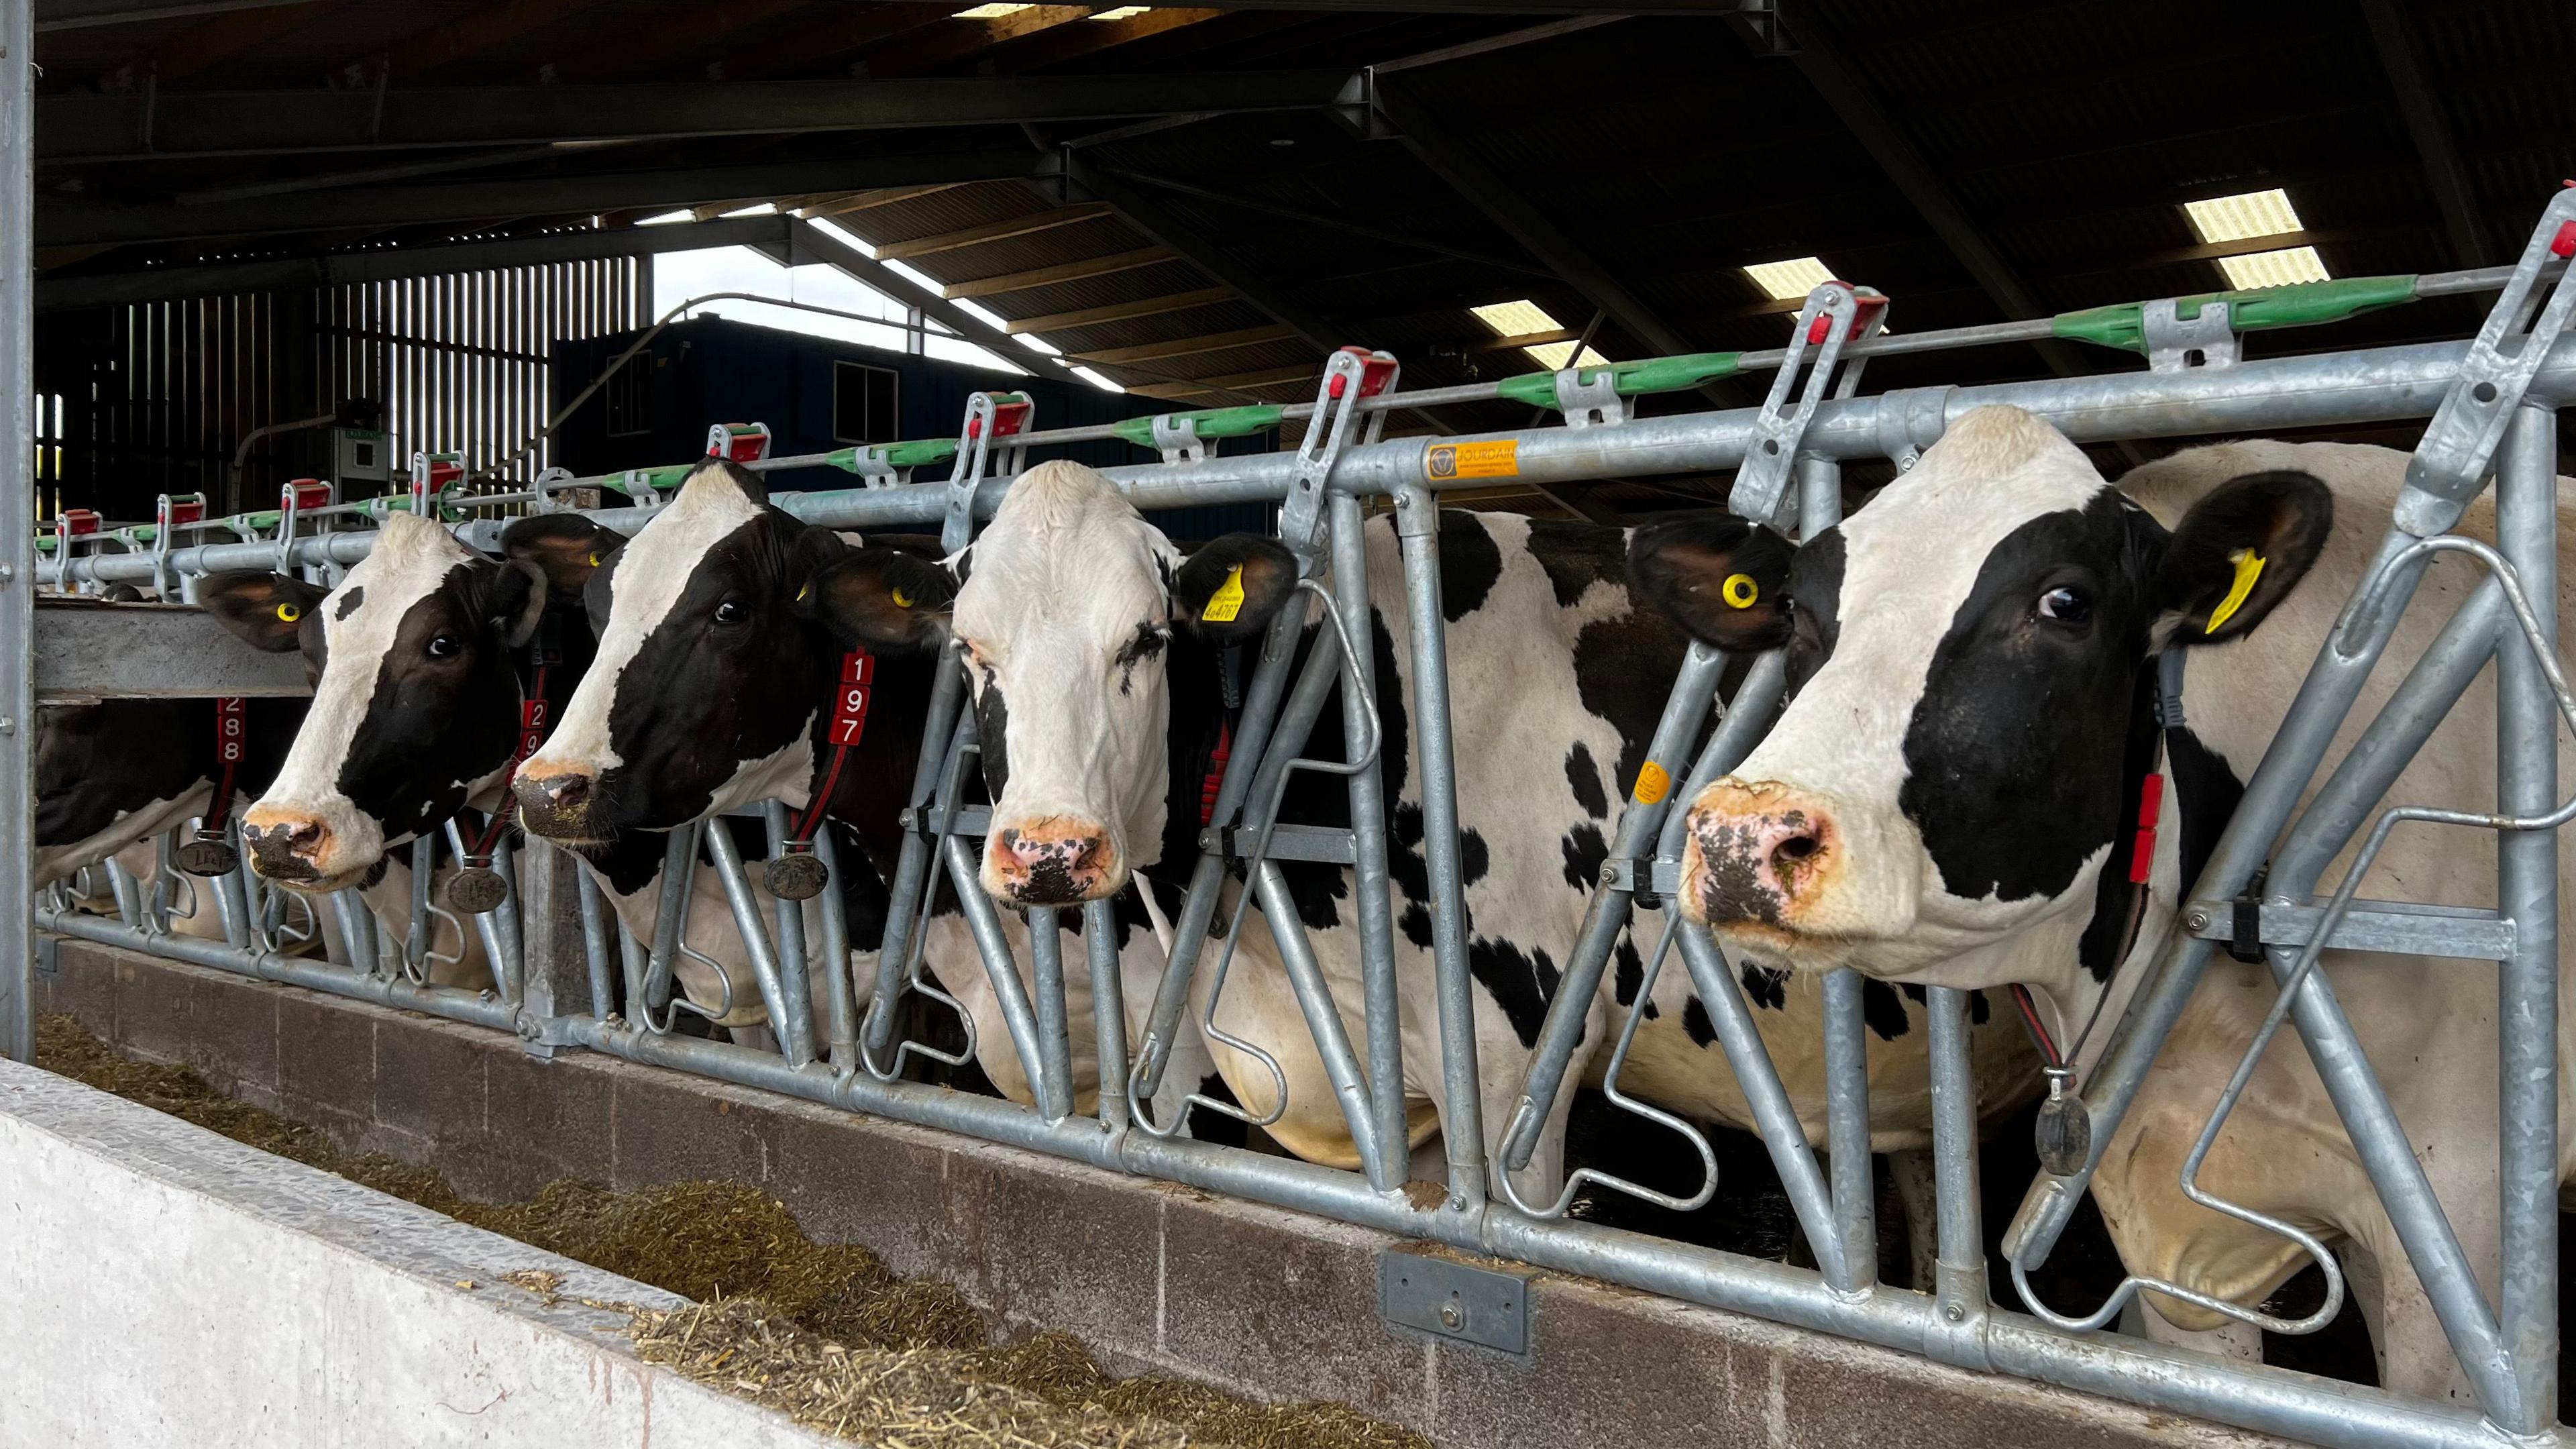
(1500, 459)
(2249, 567)
(902, 600)
(1740, 591)
(289, 613)
(1227, 601)
(1652, 782)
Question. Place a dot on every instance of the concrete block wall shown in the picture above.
(1153, 1276)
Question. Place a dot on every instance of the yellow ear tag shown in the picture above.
(1227, 601)
(2249, 567)
(804, 593)
(902, 600)
(289, 613)
(1740, 591)
(594, 560)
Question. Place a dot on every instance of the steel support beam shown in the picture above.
(88, 651)
(1067, 176)
(87, 14)
(75, 128)
(1485, 188)
(17, 527)
(1820, 58)
(2443, 172)
(162, 283)
(73, 221)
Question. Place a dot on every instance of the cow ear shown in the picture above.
(881, 599)
(514, 600)
(1232, 588)
(1725, 581)
(264, 609)
(566, 547)
(2241, 550)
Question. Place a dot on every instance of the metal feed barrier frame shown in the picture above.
(2493, 401)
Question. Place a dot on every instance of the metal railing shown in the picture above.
(2493, 403)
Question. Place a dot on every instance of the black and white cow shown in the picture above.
(114, 776)
(1950, 798)
(123, 771)
(719, 656)
(1095, 671)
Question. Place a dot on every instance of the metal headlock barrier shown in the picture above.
(559, 959)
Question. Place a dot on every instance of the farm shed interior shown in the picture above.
(437, 224)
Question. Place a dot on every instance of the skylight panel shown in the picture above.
(2251, 214)
(1789, 281)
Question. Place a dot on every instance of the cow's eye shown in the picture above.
(443, 646)
(2066, 605)
(731, 611)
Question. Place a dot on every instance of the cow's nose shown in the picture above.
(285, 844)
(1758, 852)
(1052, 862)
(556, 803)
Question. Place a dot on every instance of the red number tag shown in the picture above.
(228, 729)
(532, 726)
(850, 709)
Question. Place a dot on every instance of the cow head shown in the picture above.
(1966, 655)
(1068, 606)
(415, 696)
(709, 672)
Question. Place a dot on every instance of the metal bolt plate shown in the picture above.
(1455, 1300)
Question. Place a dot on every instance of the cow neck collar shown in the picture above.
(536, 714)
(2127, 897)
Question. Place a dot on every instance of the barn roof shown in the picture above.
(1196, 201)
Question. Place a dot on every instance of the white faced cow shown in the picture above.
(720, 653)
(1095, 678)
(1950, 798)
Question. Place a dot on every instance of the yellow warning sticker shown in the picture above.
(1652, 782)
(1500, 459)
(1227, 601)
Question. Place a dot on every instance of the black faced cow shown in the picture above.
(1951, 797)
(718, 660)
(1095, 670)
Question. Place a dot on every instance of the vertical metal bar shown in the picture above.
(795, 1033)
(1847, 1129)
(1773, 1114)
(419, 939)
(834, 951)
(940, 733)
(17, 530)
(1417, 526)
(1010, 993)
(679, 878)
(1959, 1271)
(1382, 1007)
(1108, 1008)
(357, 930)
(595, 944)
(2527, 893)
(1055, 1042)
(795, 968)
(1324, 1023)
(1820, 507)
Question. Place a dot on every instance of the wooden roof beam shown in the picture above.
(1122, 311)
(1060, 272)
(991, 231)
(1075, 42)
(954, 40)
(1190, 346)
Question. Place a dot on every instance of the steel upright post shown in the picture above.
(2527, 893)
(17, 527)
